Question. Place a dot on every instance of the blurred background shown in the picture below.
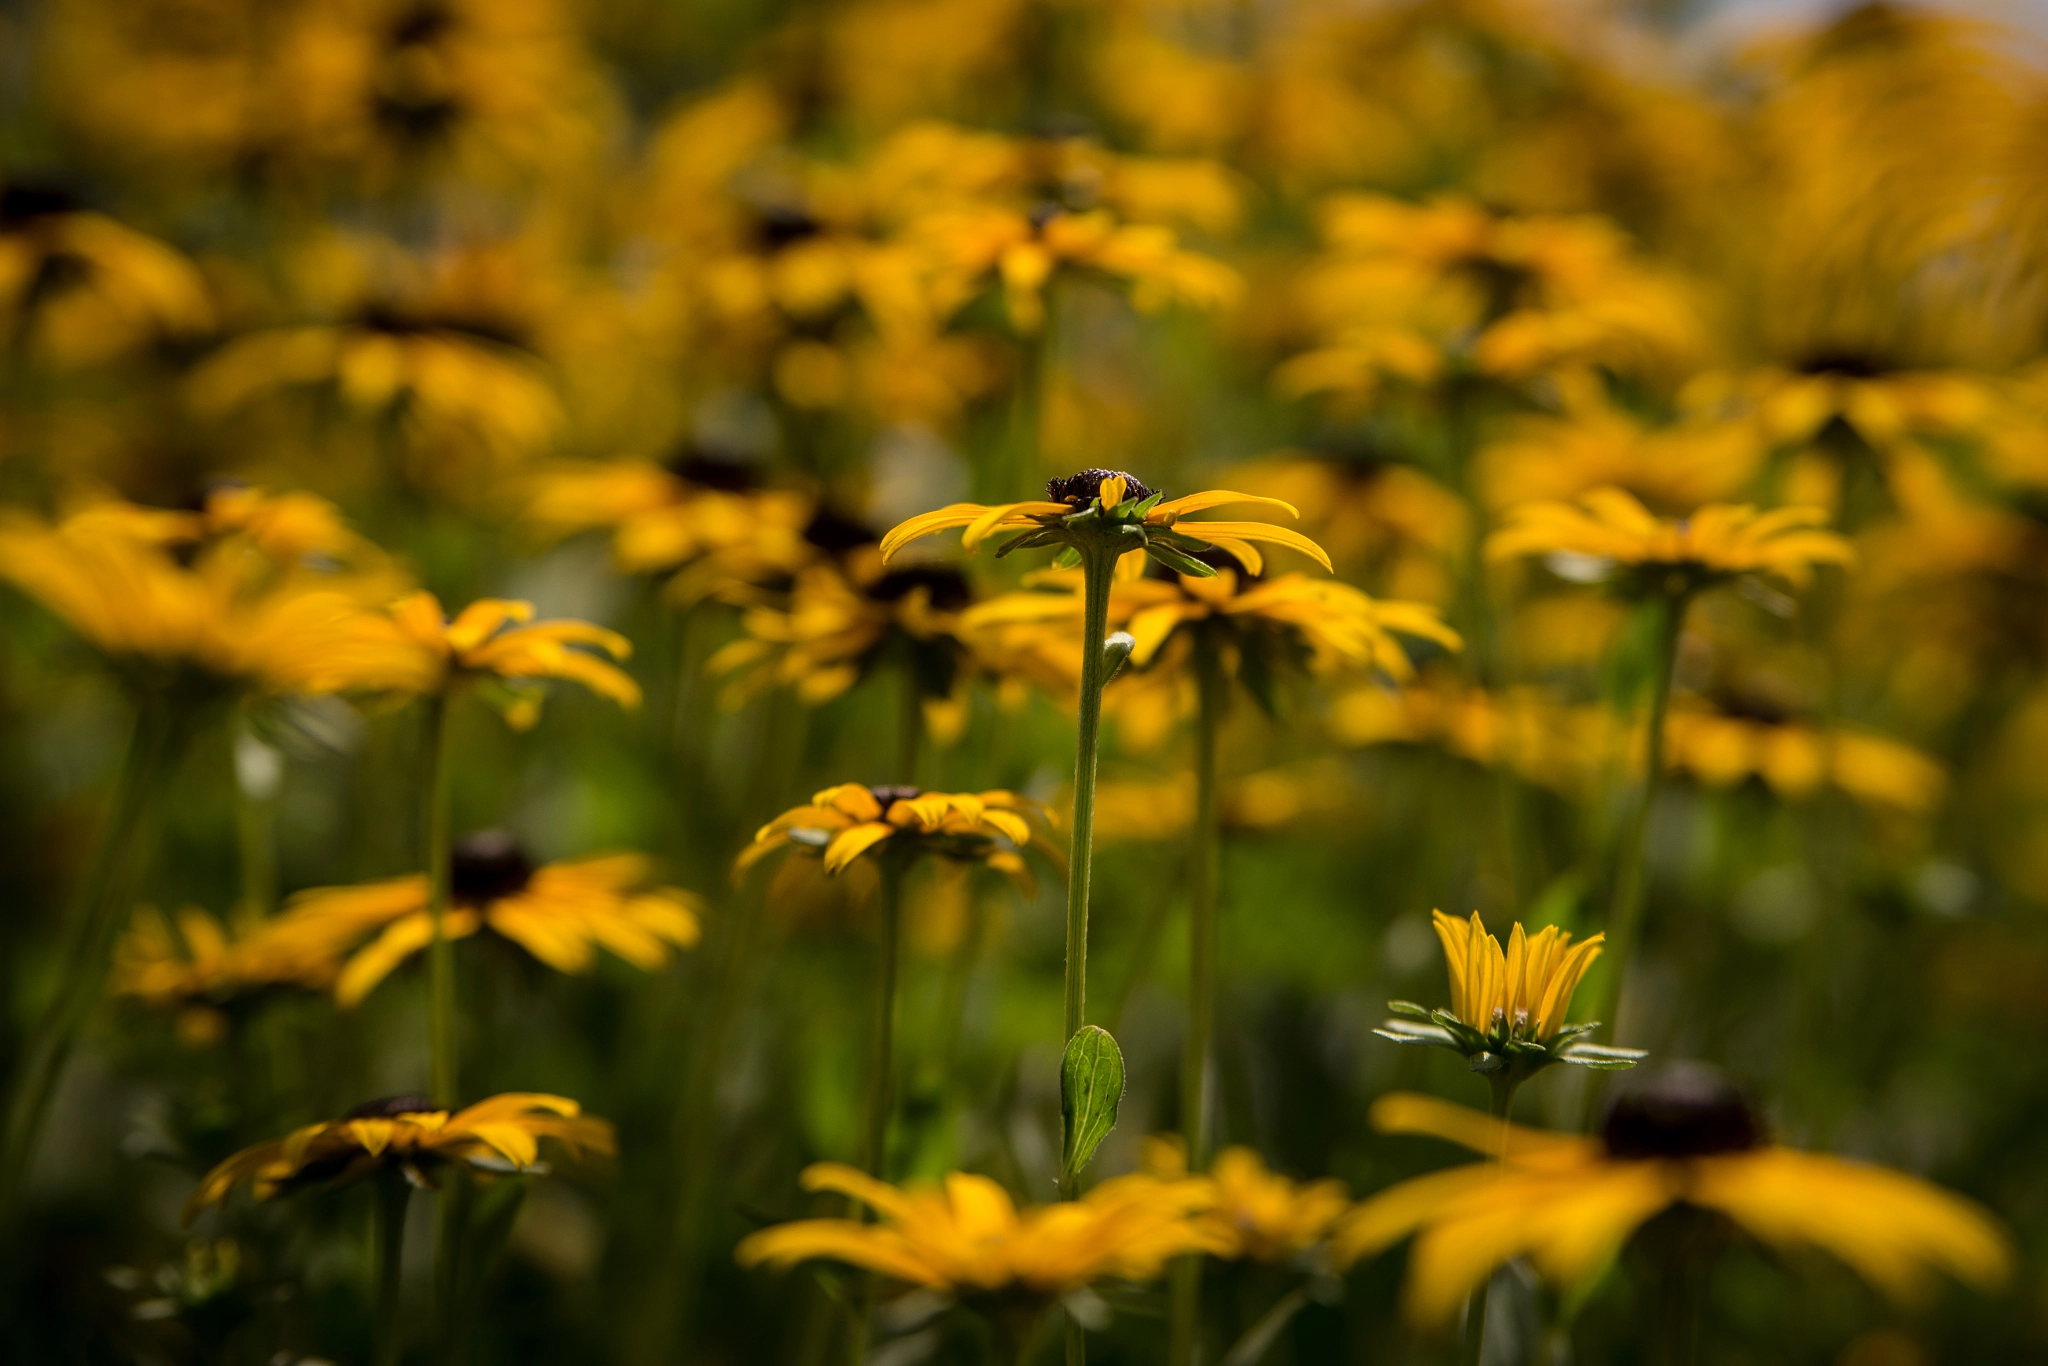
(657, 314)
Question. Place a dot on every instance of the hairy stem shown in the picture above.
(1472, 1347)
(874, 1143)
(388, 1233)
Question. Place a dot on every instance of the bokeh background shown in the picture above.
(1406, 264)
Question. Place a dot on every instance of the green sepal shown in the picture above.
(1400, 1031)
(1572, 1031)
(1179, 563)
(1488, 1062)
(1115, 650)
(1602, 1058)
(1029, 540)
(1150, 502)
(1179, 540)
(1067, 558)
(1091, 1093)
(1408, 1010)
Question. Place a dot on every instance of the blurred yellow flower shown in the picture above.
(1390, 527)
(1567, 1204)
(1717, 541)
(842, 823)
(192, 965)
(968, 1237)
(1258, 1215)
(412, 1134)
(78, 289)
(1594, 443)
(561, 913)
(243, 594)
(488, 640)
(1264, 801)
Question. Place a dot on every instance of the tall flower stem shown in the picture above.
(1204, 857)
(388, 1235)
(94, 924)
(441, 957)
(874, 1141)
(1625, 914)
(1098, 565)
(1472, 1347)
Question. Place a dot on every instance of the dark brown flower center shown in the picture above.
(711, 469)
(1081, 489)
(391, 1107)
(1689, 1110)
(486, 866)
(835, 533)
(889, 794)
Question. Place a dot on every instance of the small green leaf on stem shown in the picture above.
(1091, 1092)
(1115, 651)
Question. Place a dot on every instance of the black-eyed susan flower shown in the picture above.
(244, 595)
(195, 967)
(78, 288)
(561, 913)
(705, 521)
(1675, 555)
(1108, 511)
(1507, 1015)
(414, 1136)
(497, 638)
(843, 823)
(968, 1237)
(1567, 1203)
(1258, 1214)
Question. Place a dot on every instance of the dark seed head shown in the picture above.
(712, 469)
(781, 226)
(1081, 489)
(1847, 364)
(1687, 1110)
(835, 534)
(21, 203)
(391, 1107)
(486, 866)
(889, 794)
(947, 587)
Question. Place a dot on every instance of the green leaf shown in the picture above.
(1179, 563)
(1067, 558)
(1091, 1092)
(1030, 540)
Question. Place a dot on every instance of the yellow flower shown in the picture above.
(843, 618)
(79, 289)
(1409, 292)
(1567, 1204)
(1261, 802)
(1386, 524)
(411, 1133)
(1507, 1008)
(561, 913)
(1338, 626)
(705, 520)
(842, 823)
(1105, 507)
(968, 1237)
(1717, 541)
(483, 641)
(192, 965)
(1258, 1214)
(239, 593)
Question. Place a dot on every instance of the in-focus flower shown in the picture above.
(1102, 510)
(1507, 1008)
(561, 913)
(246, 594)
(1719, 541)
(1258, 1214)
(969, 1238)
(842, 823)
(1567, 1204)
(194, 966)
(414, 1136)
(77, 288)
(490, 639)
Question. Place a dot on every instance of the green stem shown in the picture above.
(257, 768)
(1203, 870)
(1500, 1101)
(441, 955)
(388, 1232)
(1098, 565)
(874, 1143)
(910, 728)
(1624, 916)
(94, 925)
